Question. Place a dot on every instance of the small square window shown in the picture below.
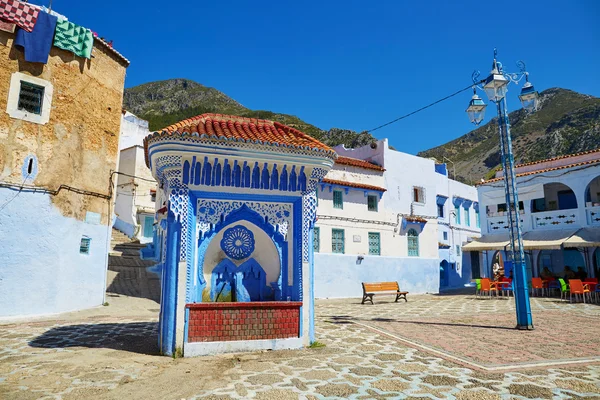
(84, 246)
(338, 199)
(372, 203)
(31, 98)
(445, 235)
(418, 195)
(153, 196)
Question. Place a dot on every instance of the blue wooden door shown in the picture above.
(148, 223)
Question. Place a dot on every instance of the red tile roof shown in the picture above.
(539, 171)
(355, 162)
(229, 127)
(558, 158)
(354, 185)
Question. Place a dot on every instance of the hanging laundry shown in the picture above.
(21, 14)
(7, 26)
(74, 38)
(38, 42)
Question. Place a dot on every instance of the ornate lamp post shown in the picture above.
(495, 87)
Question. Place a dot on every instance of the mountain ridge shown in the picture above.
(566, 122)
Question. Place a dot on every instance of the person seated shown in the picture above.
(581, 274)
(546, 274)
(569, 273)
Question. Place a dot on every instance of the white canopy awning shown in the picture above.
(552, 239)
(585, 237)
(488, 242)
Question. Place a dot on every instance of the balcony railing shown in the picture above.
(593, 215)
(554, 219)
(499, 224)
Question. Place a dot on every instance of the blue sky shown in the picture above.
(352, 64)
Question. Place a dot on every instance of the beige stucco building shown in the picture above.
(59, 134)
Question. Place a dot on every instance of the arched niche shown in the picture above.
(263, 251)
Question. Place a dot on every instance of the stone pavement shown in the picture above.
(110, 353)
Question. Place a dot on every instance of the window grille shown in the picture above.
(337, 241)
(84, 246)
(372, 203)
(31, 98)
(413, 243)
(316, 239)
(374, 244)
(338, 199)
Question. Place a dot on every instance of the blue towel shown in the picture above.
(37, 43)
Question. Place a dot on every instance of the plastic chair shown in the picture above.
(478, 287)
(486, 287)
(537, 285)
(577, 288)
(507, 288)
(564, 288)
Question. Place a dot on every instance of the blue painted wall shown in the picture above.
(41, 269)
(339, 275)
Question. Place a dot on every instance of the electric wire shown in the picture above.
(15, 196)
(427, 106)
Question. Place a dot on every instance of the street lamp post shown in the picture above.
(495, 87)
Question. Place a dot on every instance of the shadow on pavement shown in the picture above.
(135, 337)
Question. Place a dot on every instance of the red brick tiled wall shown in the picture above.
(219, 322)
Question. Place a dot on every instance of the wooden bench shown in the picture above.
(370, 289)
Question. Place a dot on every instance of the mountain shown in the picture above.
(566, 122)
(164, 103)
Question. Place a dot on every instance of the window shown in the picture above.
(29, 98)
(457, 215)
(374, 244)
(84, 246)
(440, 211)
(338, 199)
(418, 194)
(153, 196)
(413, 243)
(477, 218)
(316, 239)
(445, 235)
(467, 217)
(372, 203)
(457, 250)
(337, 241)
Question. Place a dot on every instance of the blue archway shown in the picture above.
(244, 213)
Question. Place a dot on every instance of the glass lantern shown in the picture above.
(529, 97)
(496, 86)
(476, 109)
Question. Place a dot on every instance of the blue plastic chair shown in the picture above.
(508, 288)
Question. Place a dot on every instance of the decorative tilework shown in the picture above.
(238, 242)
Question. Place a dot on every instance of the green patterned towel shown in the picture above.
(74, 38)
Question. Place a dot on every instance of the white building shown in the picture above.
(458, 222)
(136, 188)
(378, 221)
(559, 210)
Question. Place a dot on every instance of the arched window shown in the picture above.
(413, 243)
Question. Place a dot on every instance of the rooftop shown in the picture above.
(353, 184)
(355, 162)
(220, 127)
(539, 171)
